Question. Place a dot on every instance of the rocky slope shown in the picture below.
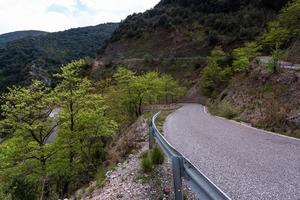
(127, 181)
(265, 99)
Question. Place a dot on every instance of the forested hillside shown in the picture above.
(41, 56)
(180, 28)
(9, 37)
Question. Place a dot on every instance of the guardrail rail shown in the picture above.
(182, 168)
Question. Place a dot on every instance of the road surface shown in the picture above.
(246, 163)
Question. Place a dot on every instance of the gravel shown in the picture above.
(246, 163)
(128, 182)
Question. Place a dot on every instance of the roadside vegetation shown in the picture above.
(151, 158)
(90, 114)
(233, 79)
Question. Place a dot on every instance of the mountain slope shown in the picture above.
(179, 28)
(39, 57)
(9, 37)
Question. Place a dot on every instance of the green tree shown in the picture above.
(286, 28)
(171, 89)
(133, 92)
(84, 124)
(28, 122)
(244, 55)
(214, 78)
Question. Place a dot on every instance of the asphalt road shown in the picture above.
(246, 163)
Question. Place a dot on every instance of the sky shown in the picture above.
(58, 15)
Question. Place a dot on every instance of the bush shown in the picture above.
(214, 79)
(224, 109)
(215, 76)
(157, 156)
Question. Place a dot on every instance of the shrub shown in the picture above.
(224, 109)
(214, 79)
(243, 56)
(147, 165)
(157, 156)
(215, 76)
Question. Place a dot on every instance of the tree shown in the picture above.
(214, 78)
(171, 89)
(29, 124)
(133, 92)
(286, 29)
(243, 56)
(84, 123)
(290, 16)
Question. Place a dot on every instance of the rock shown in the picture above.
(167, 191)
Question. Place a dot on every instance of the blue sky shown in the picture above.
(57, 15)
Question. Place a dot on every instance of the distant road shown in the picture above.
(246, 163)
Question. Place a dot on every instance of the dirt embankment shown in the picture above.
(267, 100)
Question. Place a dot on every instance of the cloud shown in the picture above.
(56, 15)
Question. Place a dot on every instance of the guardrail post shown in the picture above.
(177, 179)
(151, 135)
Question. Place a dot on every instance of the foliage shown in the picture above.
(273, 63)
(31, 166)
(284, 30)
(214, 77)
(41, 56)
(224, 21)
(131, 92)
(9, 37)
(244, 55)
(157, 156)
(27, 120)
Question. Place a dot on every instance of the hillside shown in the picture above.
(187, 28)
(39, 57)
(9, 37)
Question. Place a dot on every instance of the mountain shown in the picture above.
(9, 37)
(41, 56)
(187, 28)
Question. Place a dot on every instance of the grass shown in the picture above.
(146, 162)
(101, 174)
(151, 158)
(224, 109)
(157, 156)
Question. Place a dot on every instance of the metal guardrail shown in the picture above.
(183, 168)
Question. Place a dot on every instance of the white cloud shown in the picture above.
(56, 15)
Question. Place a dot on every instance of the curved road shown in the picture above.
(246, 163)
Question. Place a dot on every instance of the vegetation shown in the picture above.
(214, 77)
(224, 21)
(146, 163)
(9, 37)
(284, 31)
(157, 156)
(151, 158)
(224, 109)
(34, 166)
(244, 55)
(29, 161)
(40, 57)
(131, 93)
